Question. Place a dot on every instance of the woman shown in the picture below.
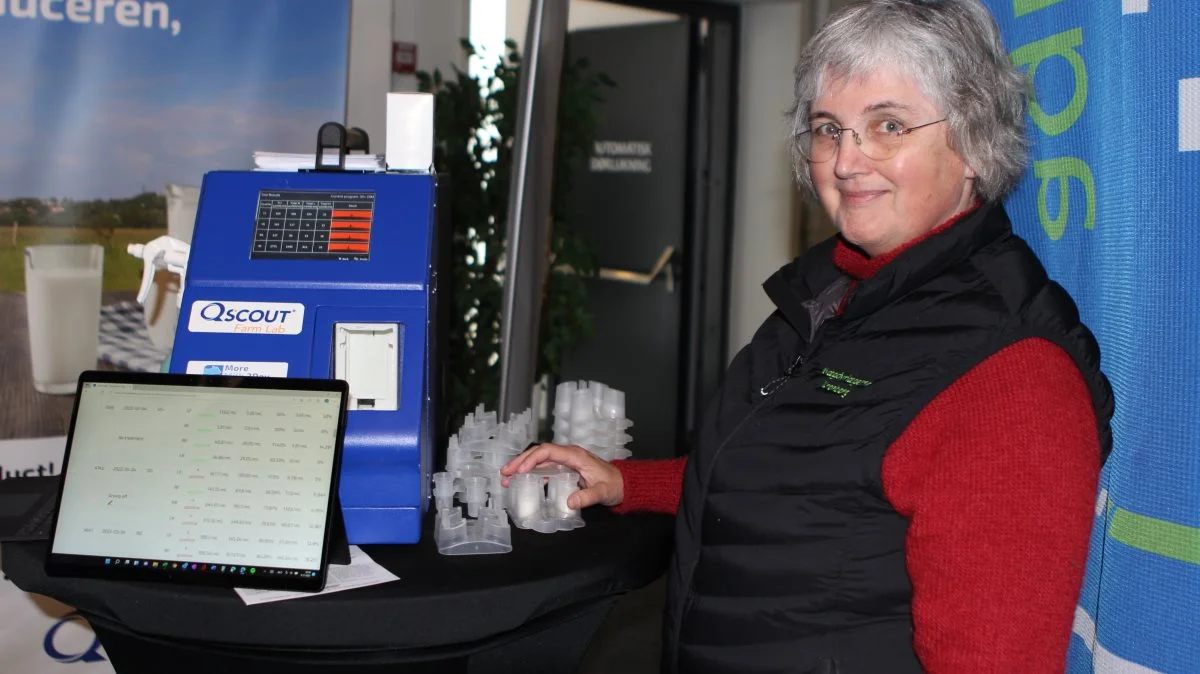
(899, 470)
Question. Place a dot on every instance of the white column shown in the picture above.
(370, 76)
(765, 193)
(435, 26)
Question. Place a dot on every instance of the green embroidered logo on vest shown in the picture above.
(840, 383)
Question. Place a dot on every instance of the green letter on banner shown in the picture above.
(1023, 7)
(1062, 169)
(1032, 55)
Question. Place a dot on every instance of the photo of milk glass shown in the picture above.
(62, 303)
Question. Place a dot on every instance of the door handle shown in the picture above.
(661, 266)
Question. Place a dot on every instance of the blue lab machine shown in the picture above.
(328, 274)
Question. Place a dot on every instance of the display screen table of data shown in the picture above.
(229, 477)
(313, 225)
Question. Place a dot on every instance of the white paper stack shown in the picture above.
(296, 161)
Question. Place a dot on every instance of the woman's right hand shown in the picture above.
(601, 482)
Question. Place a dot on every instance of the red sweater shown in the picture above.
(997, 476)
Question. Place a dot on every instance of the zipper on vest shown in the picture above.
(687, 579)
(767, 390)
(773, 385)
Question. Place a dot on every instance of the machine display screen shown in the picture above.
(313, 225)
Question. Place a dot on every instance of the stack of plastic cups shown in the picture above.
(474, 457)
(589, 414)
(598, 392)
(591, 431)
(613, 410)
(604, 427)
(564, 394)
(583, 413)
(592, 415)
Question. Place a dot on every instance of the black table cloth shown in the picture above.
(440, 604)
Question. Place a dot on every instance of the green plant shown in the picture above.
(473, 130)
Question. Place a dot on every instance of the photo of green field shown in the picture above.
(122, 271)
(114, 224)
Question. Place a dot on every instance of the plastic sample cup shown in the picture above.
(62, 303)
(561, 487)
(525, 496)
(443, 490)
(474, 493)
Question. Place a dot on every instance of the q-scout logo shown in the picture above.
(261, 318)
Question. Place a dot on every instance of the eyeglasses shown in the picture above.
(880, 141)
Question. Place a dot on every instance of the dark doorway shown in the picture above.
(655, 201)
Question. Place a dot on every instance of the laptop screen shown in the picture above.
(181, 473)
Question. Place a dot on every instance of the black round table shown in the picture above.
(531, 610)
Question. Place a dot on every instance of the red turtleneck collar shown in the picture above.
(856, 264)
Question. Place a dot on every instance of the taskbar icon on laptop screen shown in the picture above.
(201, 567)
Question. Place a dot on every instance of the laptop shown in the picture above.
(228, 481)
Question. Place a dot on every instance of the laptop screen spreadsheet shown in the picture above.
(236, 476)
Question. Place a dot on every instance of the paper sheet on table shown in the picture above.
(287, 161)
(361, 572)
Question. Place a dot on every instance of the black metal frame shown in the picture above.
(706, 313)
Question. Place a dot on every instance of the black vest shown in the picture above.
(789, 558)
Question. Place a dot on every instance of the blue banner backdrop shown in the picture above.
(1110, 205)
(105, 100)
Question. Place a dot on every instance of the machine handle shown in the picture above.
(661, 266)
(339, 139)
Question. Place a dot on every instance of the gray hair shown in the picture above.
(953, 50)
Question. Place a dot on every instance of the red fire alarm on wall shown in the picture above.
(404, 58)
